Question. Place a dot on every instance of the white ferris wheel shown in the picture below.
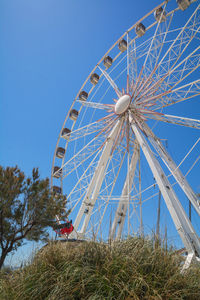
(109, 160)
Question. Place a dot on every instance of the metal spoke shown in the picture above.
(181, 42)
(112, 83)
(85, 153)
(187, 122)
(95, 105)
(94, 127)
(180, 94)
(157, 42)
(132, 62)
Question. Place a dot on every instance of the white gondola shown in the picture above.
(83, 96)
(140, 29)
(94, 78)
(107, 61)
(57, 172)
(65, 133)
(122, 45)
(73, 114)
(160, 15)
(60, 153)
(183, 4)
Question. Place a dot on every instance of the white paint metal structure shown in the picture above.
(111, 142)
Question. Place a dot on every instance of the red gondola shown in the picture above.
(65, 228)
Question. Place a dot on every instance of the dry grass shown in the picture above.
(131, 269)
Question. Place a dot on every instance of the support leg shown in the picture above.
(180, 219)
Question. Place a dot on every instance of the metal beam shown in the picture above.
(173, 168)
(187, 122)
(111, 81)
(96, 182)
(122, 206)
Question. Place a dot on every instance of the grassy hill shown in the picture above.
(131, 269)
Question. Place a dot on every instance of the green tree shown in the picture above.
(27, 208)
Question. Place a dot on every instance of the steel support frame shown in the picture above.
(187, 122)
(183, 183)
(179, 217)
(122, 207)
(96, 182)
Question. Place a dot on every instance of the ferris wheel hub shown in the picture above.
(122, 104)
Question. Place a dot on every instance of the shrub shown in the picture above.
(131, 269)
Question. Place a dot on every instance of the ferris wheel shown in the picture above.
(110, 161)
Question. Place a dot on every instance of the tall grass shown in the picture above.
(131, 269)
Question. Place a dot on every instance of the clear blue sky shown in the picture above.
(47, 49)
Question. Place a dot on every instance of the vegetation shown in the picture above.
(27, 208)
(131, 269)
